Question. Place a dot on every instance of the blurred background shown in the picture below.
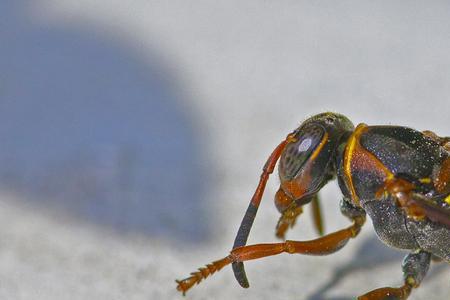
(133, 134)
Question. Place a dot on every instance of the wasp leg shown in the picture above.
(436, 259)
(349, 210)
(322, 246)
(415, 267)
(317, 215)
(402, 191)
(415, 205)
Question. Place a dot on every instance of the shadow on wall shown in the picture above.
(87, 126)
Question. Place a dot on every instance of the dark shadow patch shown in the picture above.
(371, 254)
(88, 126)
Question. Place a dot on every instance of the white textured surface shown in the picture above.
(249, 73)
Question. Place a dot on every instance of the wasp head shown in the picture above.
(307, 162)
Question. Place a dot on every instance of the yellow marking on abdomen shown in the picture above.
(447, 200)
(425, 180)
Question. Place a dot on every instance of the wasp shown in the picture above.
(398, 176)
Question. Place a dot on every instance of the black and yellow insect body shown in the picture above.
(400, 177)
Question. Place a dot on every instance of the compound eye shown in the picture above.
(296, 154)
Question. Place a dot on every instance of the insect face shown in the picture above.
(306, 164)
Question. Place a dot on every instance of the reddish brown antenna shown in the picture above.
(250, 214)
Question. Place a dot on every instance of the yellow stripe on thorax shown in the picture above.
(348, 155)
(353, 146)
